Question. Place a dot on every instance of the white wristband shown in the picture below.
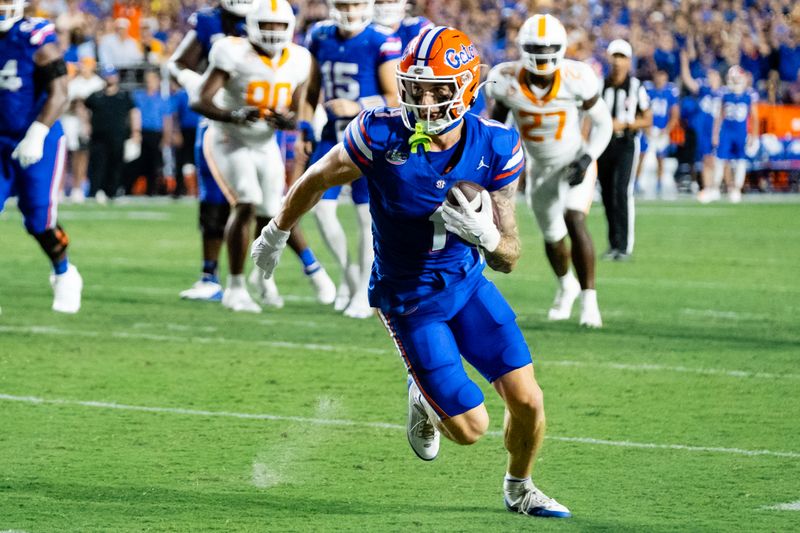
(37, 131)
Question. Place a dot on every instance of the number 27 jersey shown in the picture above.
(550, 123)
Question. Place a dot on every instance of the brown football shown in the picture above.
(471, 192)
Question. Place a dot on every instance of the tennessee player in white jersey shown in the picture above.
(548, 96)
(248, 92)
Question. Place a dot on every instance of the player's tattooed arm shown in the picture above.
(53, 72)
(335, 168)
(504, 257)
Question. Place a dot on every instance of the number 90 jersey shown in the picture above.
(349, 67)
(549, 123)
(257, 81)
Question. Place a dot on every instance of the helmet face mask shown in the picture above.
(437, 79)
(348, 16)
(442, 108)
(10, 12)
(240, 8)
(543, 43)
(389, 13)
(271, 31)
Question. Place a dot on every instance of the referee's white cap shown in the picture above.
(620, 46)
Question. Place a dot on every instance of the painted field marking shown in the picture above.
(793, 506)
(728, 315)
(381, 425)
(389, 351)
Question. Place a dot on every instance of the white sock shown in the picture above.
(566, 280)
(739, 174)
(513, 484)
(589, 297)
(719, 171)
(236, 281)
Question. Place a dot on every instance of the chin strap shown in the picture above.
(419, 138)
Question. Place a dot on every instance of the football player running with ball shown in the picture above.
(248, 91)
(548, 96)
(427, 280)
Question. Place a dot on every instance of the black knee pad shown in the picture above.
(213, 218)
(53, 241)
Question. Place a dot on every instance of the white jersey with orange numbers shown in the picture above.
(257, 81)
(548, 120)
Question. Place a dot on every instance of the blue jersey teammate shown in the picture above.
(33, 94)
(666, 115)
(737, 111)
(354, 66)
(208, 25)
(427, 279)
(708, 93)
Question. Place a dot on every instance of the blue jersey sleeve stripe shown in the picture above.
(358, 139)
(40, 34)
(352, 150)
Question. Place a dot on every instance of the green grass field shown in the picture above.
(147, 413)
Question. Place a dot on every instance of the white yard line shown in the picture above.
(380, 425)
(793, 506)
(651, 367)
(633, 367)
(728, 315)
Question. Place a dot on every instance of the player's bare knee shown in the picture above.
(527, 403)
(470, 427)
(244, 211)
(53, 241)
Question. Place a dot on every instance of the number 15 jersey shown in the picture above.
(257, 81)
(349, 67)
(549, 122)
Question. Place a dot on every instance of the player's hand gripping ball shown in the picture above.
(470, 213)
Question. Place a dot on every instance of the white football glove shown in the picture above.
(475, 227)
(31, 148)
(267, 248)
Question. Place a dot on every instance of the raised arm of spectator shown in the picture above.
(686, 74)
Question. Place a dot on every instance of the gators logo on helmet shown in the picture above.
(438, 78)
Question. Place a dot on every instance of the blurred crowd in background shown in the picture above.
(137, 36)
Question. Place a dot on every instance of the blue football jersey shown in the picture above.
(208, 25)
(349, 67)
(414, 255)
(736, 110)
(661, 101)
(410, 27)
(21, 95)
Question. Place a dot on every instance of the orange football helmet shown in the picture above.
(438, 59)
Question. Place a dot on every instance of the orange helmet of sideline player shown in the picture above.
(443, 62)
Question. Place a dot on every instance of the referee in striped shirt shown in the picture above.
(630, 108)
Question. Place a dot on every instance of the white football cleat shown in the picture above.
(525, 498)
(706, 196)
(359, 307)
(67, 289)
(266, 289)
(238, 299)
(590, 311)
(564, 300)
(323, 286)
(422, 434)
(203, 289)
(735, 196)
